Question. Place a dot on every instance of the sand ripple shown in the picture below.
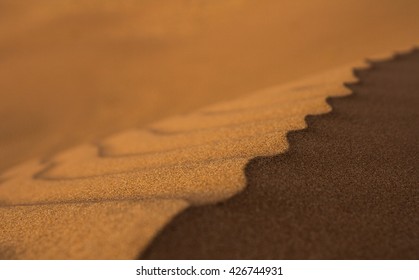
(109, 199)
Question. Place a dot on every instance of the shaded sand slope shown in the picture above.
(348, 188)
(73, 71)
(108, 200)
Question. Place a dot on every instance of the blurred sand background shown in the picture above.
(75, 71)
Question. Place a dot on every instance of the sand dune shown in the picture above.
(149, 175)
(347, 188)
(76, 71)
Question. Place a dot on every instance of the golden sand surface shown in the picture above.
(73, 72)
(95, 201)
(76, 71)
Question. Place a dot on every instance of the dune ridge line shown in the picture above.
(147, 176)
(345, 189)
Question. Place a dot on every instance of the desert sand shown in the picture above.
(76, 71)
(150, 174)
(77, 80)
(347, 188)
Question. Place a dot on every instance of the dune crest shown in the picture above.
(109, 200)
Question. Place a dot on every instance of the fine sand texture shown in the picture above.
(74, 71)
(127, 79)
(108, 200)
(347, 188)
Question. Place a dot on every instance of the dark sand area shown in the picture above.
(117, 116)
(346, 189)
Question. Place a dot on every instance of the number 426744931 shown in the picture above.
(248, 270)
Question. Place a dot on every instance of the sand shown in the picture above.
(76, 71)
(85, 230)
(138, 180)
(346, 189)
(187, 160)
(73, 72)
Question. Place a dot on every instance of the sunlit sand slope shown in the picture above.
(108, 200)
(346, 188)
(73, 71)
